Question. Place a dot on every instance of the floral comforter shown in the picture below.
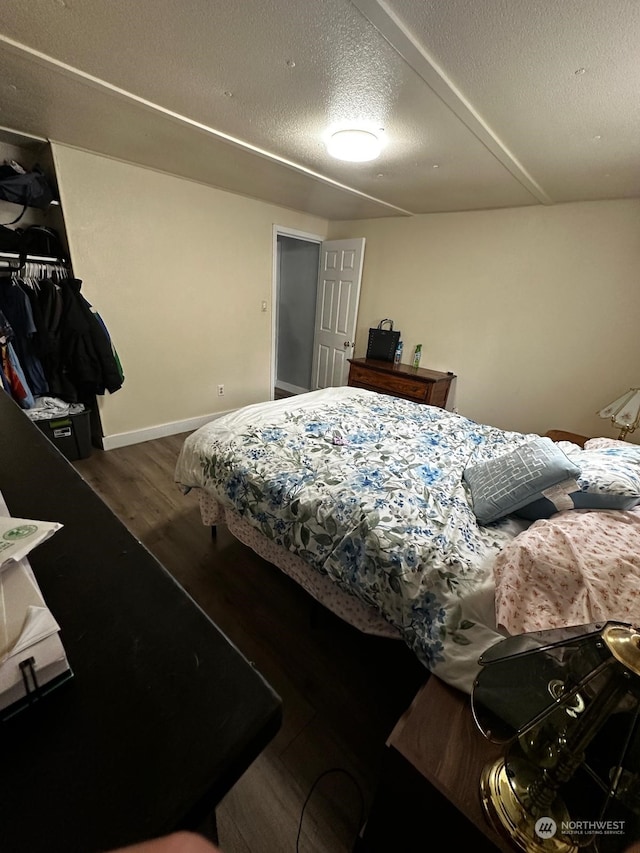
(368, 490)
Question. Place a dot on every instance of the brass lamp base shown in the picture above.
(502, 800)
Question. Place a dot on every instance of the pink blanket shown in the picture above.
(577, 567)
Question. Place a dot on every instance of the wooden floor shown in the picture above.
(342, 691)
(281, 394)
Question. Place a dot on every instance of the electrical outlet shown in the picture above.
(220, 390)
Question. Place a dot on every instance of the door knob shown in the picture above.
(349, 344)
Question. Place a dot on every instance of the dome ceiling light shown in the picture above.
(356, 146)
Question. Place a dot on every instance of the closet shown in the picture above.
(56, 354)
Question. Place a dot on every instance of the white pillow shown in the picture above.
(609, 479)
(604, 443)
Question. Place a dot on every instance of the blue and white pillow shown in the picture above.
(505, 484)
(609, 479)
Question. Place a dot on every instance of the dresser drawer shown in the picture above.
(384, 382)
(421, 386)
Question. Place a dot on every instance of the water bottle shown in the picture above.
(398, 355)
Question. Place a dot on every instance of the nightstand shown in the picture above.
(561, 435)
(400, 380)
(431, 779)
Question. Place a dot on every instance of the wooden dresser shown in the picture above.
(401, 380)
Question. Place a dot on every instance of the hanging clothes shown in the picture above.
(87, 353)
(15, 305)
(114, 352)
(17, 381)
(45, 297)
(13, 378)
(6, 333)
(61, 347)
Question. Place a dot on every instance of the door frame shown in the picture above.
(282, 231)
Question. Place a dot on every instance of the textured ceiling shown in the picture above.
(481, 103)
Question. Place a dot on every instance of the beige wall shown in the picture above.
(178, 272)
(535, 309)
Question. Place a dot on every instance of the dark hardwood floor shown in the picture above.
(342, 691)
(281, 394)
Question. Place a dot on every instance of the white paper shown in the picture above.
(27, 626)
(38, 625)
(24, 617)
(19, 536)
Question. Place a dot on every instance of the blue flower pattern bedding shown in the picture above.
(367, 489)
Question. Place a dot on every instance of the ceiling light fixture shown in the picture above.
(356, 146)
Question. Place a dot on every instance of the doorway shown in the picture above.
(316, 286)
(297, 258)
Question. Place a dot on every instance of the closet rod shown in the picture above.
(8, 257)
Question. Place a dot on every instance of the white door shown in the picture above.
(339, 280)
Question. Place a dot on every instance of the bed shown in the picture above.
(411, 522)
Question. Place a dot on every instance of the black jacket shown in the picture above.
(86, 352)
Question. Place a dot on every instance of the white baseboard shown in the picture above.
(124, 439)
(292, 389)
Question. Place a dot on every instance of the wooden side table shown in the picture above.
(562, 435)
(431, 783)
(401, 380)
